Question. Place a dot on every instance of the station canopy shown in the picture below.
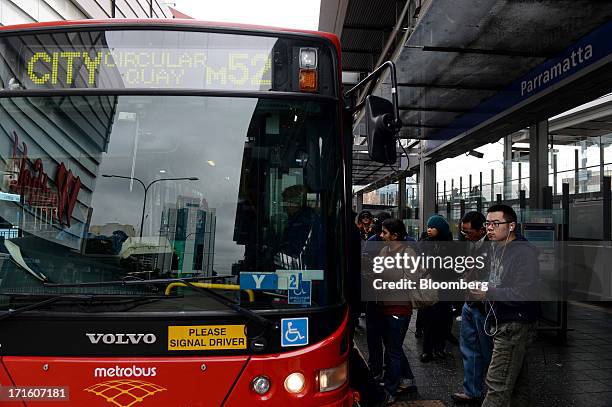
(458, 55)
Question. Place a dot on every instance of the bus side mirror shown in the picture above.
(380, 129)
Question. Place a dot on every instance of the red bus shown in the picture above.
(173, 216)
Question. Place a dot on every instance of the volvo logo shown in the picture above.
(121, 339)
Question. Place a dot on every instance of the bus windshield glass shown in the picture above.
(242, 192)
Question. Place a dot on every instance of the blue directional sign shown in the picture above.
(258, 281)
(302, 295)
(294, 332)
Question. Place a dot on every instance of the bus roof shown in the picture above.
(116, 22)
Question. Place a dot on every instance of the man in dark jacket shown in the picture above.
(475, 344)
(513, 308)
(364, 223)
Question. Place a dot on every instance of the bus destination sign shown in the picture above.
(225, 69)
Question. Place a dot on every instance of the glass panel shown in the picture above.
(606, 141)
(540, 216)
(578, 163)
(412, 198)
(458, 185)
(108, 188)
(386, 196)
(413, 227)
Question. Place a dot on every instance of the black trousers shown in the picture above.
(420, 322)
(361, 379)
(375, 329)
(438, 321)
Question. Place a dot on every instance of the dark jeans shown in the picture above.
(374, 336)
(476, 348)
(398, 367)
(438, 322)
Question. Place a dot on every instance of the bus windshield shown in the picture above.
(100, 188)
(238, 190)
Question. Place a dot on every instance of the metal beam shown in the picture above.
(449, 86)
(425, 126)
(482, 51)
(538, 163)
(432, 109)
(390, 42)
(374, 28)
(355, 68)
(398, 150)
(411, 137)
(359, 202)
(401, 199)
(427, 185)
(360, 51)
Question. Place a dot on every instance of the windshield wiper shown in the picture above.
(231, 304)
(13, 312)
(189, 283)
(79, 298)
(133, 282)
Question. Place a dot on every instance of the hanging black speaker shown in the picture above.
(380, 130)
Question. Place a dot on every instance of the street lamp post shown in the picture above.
(146, 190)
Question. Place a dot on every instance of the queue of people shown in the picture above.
(496, 325)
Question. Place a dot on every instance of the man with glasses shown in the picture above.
(476, 346)
(512, 308)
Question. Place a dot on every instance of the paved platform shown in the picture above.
(576, 373)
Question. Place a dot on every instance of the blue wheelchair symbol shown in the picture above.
(294, 332)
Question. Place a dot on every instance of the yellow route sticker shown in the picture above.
(206, 337)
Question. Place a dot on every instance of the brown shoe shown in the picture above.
(462, 398)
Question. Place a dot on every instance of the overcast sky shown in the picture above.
(279, 13)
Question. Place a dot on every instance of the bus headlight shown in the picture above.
(308, 58)
(294, 383)
(260, 385)
(331, 379)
